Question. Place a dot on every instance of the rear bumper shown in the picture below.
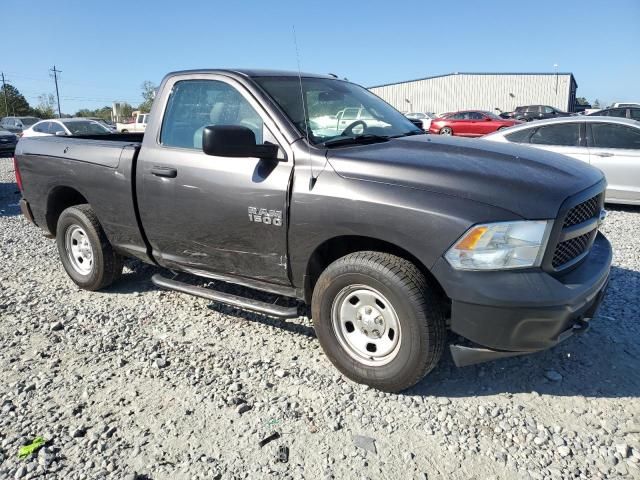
(525, 311)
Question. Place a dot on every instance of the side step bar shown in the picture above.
(226, 298)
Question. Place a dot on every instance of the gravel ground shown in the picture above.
(138, 383)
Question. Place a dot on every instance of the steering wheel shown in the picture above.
(351, 126)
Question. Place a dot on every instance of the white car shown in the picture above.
(424, 117)
(65, 126)
(610, 143)
(625, 104)
(331, 125)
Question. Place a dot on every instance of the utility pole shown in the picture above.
(4, 89)
(55, 77)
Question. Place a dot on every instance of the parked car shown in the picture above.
(8, 141)
(625, 104)
(537, 112)
(139, 123)
(390, 235)
(66, 126)
(424, 117)
(609, 143)
(622, 112)
(17, 124)
(472, 123)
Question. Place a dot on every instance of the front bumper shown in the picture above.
(516, 312)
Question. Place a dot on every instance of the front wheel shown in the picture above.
(378, 320)
(446, 131)
(85, 251)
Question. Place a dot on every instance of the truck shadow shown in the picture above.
(137, 279)
(9, 198)
(603, 362)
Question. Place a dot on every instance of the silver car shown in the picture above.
(609, 143)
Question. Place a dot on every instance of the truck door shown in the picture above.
(213, 214)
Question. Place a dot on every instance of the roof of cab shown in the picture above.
(253, 72)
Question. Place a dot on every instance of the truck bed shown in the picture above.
(98, 168)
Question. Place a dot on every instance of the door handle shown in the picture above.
(167, 172)
(605, 154)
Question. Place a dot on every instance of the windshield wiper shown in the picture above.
(359, 140)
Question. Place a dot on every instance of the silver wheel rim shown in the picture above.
(445, 131)
(79, 249)
(366, 325)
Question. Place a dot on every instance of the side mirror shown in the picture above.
(235, 141)
(61, 134)
(487, 119)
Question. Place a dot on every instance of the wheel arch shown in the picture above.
(336, 247)
(59, 199)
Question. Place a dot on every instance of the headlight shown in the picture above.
(502, 245)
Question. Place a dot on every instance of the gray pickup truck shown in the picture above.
(391, 236)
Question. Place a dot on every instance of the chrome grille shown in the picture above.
(582, 212)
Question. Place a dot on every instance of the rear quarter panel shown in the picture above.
(101, 171)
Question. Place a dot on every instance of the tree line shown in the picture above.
(13, 103)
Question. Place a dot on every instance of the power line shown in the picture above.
(55, 77)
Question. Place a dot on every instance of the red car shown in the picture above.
(470, 123)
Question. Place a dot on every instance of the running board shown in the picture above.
(465, 356)
(226, 298)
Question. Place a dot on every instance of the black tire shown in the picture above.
(419, 309)
(106, 266)
(446, 131)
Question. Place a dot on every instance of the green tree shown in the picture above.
(103, 112)
(148, 93)
(126, 110)
(46, 106)
(581, 101)
(596, 103)
(16, 104)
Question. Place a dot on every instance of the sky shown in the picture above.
(106, 49)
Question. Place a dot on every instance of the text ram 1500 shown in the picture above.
(390, 235)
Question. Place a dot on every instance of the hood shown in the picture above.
(529, 182)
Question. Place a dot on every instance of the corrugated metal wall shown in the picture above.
(480, 91)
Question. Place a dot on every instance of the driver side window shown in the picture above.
(195, 104)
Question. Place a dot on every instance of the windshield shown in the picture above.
(28, 121)
(335, 109)
(492, 115)
(85, 128)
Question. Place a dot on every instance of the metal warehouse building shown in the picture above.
(481, 91)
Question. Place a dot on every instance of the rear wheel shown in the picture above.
(378, 320)
(446, 131)
(85, 251)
